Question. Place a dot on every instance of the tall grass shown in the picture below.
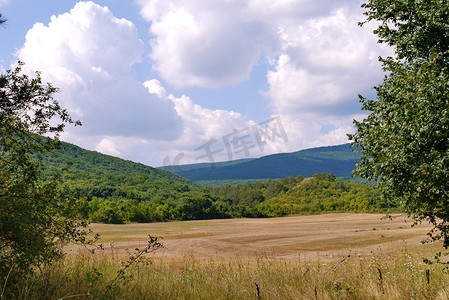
(401, 275)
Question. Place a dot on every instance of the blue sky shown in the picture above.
(163, 81)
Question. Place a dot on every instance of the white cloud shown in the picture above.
(200, 125)
(88, 54)
(206, 44)
(154, 87)
(308, 130)
(326, 62)
(108, 146)
(223, 132)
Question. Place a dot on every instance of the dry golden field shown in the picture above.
(330, 256)
(308, 237)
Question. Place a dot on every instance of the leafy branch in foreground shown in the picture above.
(405, 138)
(36, 218)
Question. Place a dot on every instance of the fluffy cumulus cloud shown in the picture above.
(88, 54)
(206, 43)
(325, 62)
(320, 58)
(209, 135)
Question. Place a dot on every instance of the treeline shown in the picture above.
(114, 198)
(320, 194)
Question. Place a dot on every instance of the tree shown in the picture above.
(35, 217)
(405, 139)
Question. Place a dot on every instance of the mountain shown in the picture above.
(91, 162)
(340, 160)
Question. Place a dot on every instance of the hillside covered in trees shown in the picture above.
(113, 190)
(87, 162)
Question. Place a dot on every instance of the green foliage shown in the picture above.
(323, 194)
(325, 176)
(405, 139)
(35, 217)
(117, 199)
(319, 194)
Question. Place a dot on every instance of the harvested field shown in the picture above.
(308, 237)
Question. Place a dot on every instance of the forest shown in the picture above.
(116, 191)
(113, 198)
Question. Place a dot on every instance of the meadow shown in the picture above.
(327, 235)
(330, 256)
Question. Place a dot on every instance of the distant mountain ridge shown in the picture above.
(340, 160)
(198, 166)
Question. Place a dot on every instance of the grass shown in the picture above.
(336, 256)
(400, 275)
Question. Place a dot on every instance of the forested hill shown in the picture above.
(86, 161)
(340, 160)
(113, 190)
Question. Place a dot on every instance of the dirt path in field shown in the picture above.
(307, 237)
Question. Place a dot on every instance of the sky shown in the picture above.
(168, 82)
